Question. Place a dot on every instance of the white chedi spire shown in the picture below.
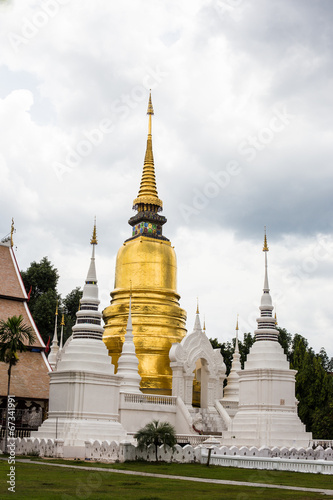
(266, 323)
(231, 391)
(197, 324)
(88, 318)
(128, 362)
(62, 324)
(52, 358)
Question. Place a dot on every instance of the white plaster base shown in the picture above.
(84, 396)
(267, 412)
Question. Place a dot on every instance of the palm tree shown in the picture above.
(13, 335)
(156, 433)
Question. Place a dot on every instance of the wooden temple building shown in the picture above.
(29, 377)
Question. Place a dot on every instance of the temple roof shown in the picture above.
(30, 375)
(11, 284)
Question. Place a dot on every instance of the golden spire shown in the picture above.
(275, 317)
(237, 323)
(93, 240)
(265, 249)
(148, 192)
(56, 313)
(204, 325)
(62, 320)
(197, 306)
(12, 229)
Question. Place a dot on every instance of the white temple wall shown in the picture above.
(307, 460)
(83, 395)
(153, 407)
(130, 421)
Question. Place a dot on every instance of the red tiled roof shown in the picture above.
(11, 284)
(30, 376)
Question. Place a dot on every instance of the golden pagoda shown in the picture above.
(146, 269)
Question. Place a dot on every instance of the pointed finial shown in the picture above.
(130, 288)
(236, 340)
(204, 325)
(93, 240)
(62, 320)
(148, 196)
(56, 313)
(12, 230)
(265, 249)
(275, 317)
(197, 306)
(150, 110)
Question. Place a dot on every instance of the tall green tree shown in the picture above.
(41, 277)
(314, 389)
(14, 335)
(228, 348)
(156, 433)
(40, 281)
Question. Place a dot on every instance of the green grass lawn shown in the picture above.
(38, 481)
(215, 472)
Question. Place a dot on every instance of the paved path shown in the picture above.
(183, 478)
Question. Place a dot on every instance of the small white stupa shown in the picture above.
(231, 391)
(267, 411)
(84, 391)
(52, 358)
(128, 362)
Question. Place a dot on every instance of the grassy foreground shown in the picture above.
(46, 482)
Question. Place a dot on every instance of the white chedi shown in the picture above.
(84, 391)
(267, 410)
(231, 391)
(128, 362)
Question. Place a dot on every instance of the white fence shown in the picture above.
(284, 464)
(288, 459)
(149, 399)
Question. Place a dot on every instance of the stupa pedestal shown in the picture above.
(267, 411)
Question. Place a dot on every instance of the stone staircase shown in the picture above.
(208, 421)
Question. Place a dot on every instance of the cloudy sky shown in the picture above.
(242, 138)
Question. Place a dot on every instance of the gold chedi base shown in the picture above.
(147, 268)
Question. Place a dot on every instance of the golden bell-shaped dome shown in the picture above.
(146, 269)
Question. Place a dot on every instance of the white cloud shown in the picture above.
(219, 70)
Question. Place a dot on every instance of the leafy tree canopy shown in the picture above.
(41, 280)
(40, 277)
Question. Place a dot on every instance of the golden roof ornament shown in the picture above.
(237, 323)
(197, 306)
(150, 110)
(62, 320)
(12, 230)
(148, 197)
(56, 313)
(265, 249)
(93, 240)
